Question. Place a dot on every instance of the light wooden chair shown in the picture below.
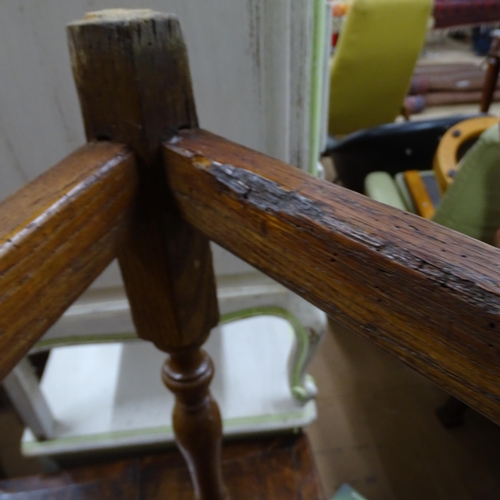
(470, 204)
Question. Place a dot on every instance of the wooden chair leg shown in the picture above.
(451, 414)
(133, 81)
(490, 83)
(491, 78)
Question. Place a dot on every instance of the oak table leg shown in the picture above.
(134, 85)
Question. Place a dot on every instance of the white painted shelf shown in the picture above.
(111, 395)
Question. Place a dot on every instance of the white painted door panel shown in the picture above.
(249, 62)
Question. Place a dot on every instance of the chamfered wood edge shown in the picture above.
(132, 76)
(427, 294)
(57, 234)
(32, 200)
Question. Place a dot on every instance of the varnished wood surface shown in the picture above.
(196, 420)
(277, 468)
(491, 78)
(490, 83)
(56, 236)
(426, 294)
(446, 157)
(133, 80)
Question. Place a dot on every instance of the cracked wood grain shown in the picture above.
(57, 234)
(426, 294)
(133, 81)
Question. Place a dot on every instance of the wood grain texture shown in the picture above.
(132, 76)
(277, 468)
(57, 234)
(426, 294)
(133, 81)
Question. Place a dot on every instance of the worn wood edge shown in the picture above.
(118, 15)
(141, 39)
(57, 234)
(22, 208)
(144, 55)
(427, 294)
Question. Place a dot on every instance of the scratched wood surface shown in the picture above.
(276, 468)
(426, 294)
(166, 263)
(56, 235)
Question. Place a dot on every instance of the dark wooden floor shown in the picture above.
(279, 467)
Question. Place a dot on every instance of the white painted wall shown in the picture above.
(249, 62)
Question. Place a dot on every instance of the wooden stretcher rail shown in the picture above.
(426, 294)
(56, 235)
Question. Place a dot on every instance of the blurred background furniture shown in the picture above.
(373, 62)
(491, 81)
(396, 147)
(448, 13)
(470, 204)
(465, 198)
(457, 83)
(392, 148)
(453, 146)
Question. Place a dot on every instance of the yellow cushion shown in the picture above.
(372, 66)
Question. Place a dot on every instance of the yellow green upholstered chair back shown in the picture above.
(471, 204)
(373, 63)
